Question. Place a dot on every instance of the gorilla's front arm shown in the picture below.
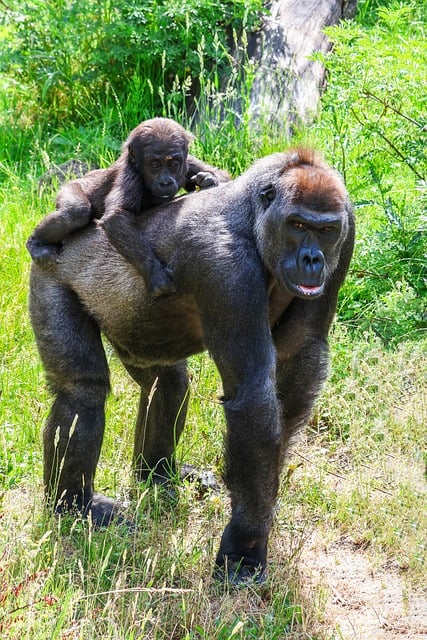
(244, 255)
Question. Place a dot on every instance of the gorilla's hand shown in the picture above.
(205, 179)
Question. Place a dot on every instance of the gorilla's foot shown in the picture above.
(166, 476)
(161, 282)
(237, 572)
(103, 511)
(100, 509)
(44, 255)
(241, 558)
(204, 480)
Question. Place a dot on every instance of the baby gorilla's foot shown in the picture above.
(44, 255)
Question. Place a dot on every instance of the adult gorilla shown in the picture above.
(257, 264)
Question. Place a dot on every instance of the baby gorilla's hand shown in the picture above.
(205, 179)
(160, 281)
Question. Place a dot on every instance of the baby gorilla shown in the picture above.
(153, 166)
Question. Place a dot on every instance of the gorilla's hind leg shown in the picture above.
(161, 418)
(72, 442)
(70, 346)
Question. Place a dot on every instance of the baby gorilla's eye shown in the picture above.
(174, 164)
(155, 164)
(328, 229)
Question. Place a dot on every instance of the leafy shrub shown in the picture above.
(374, 130)
(67, 53)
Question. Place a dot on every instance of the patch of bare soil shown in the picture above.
(361, 603)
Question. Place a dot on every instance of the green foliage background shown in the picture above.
(375, 110)
(69, 55)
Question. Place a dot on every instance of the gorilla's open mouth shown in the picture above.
(310, 291)
(302, 290)
(167, 196)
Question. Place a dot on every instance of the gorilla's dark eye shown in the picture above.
(299, 226)
(267, 196)
(270, 194)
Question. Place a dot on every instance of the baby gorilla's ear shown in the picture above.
(189, 138)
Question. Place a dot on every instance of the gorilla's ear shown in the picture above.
(267, 196)
(131, 154)
(189, 137)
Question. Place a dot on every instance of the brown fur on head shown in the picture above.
(161, 132)
(312, 183)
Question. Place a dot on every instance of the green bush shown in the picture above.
(373, 125)
(70, 55)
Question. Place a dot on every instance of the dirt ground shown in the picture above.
(359, 602)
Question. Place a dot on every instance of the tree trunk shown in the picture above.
(287, 84)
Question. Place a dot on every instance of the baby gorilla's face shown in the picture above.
(158, 150)
(164, 173)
